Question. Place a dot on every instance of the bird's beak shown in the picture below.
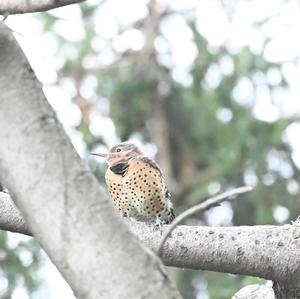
(99, 155)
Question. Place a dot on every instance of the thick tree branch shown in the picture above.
(10, 217)
(60, 199)
(9, 7)
(206, 204)
(255, 291)
(270, 252)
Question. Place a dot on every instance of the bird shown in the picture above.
(136, 185)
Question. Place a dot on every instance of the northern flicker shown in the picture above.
(136, 185)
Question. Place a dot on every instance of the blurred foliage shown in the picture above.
(19, 262)
(210, 132)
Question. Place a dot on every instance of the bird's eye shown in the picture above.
(118, 150)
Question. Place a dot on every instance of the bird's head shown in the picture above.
(121, 153)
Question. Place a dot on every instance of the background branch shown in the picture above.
(9, 7)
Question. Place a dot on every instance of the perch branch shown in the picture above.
(269, 252)
(203, 206)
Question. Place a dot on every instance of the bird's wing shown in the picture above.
(151, 163)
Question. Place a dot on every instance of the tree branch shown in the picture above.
(9, 7)
(202, 206)
(59, 197)
(255, 291)
(269, 252)
(10, 217)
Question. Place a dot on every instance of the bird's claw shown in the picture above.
(158, 225)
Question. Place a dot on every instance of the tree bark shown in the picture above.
(285, 291)
(255, 291)
(269, 252)
(9, 7)
(60, 199)
(10, 217)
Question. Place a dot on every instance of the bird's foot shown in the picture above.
(133, 219)
(158, 225)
